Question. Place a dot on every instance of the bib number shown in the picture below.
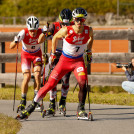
(33, 47)
(77, 49)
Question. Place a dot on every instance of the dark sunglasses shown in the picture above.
(65, 24)
(80, 19)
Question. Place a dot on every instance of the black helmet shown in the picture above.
(65, 15)
(79, 13)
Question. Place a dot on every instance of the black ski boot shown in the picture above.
(81, 114)
(38, 106)
(25, 113)
(22, 105)
(51, 110)
(62, 105)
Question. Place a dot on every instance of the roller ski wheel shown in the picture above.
(50, 112)
(90, 116)
(43, 113)
(20, 117)
(20, 108)
(62, 110)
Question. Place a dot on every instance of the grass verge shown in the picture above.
(98, 95)
(8, 125)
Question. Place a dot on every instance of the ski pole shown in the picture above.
(15, 77)
(45, 51)
(90, 116)
(75, 87)
(88, 88)
(45, 58)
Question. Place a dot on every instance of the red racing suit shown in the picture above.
(31, 51)
(53, 29)
(71, 60)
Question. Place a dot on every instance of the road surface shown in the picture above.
(108, 119)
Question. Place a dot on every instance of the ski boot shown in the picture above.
(22, 105)
(50, 111)
(62, 106)
(39, 107)
(25, 113)
(81, 114)
(62, 109)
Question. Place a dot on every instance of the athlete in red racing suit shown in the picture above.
(77, 39)
(65, 17)
(31, 53)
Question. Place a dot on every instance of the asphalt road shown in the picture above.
(108, 119)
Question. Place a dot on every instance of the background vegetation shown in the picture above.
(44, 8)
(98, 95)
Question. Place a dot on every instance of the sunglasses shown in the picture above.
(65, 24)
(80, 19)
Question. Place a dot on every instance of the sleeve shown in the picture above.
(21, 35)
(129, 77)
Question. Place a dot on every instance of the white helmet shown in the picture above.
(79, 13)
(32, 23)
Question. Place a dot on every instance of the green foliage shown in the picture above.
(53, 7)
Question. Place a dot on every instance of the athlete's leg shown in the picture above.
(53, 92)
(37, 75)
(64, 91)
(65, 84)
(58, 72)
(26, 79)
(25, 66)
(37, 65)
(80, 74)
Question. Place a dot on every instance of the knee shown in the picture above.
(82, 83)
(27, 77)
(37, 75)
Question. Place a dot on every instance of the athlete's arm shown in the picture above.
(50, 31)
(17, 39)
(60, 34)
(13, 44)
(41, 38)
(90, 41)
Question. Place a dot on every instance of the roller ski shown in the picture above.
(26, 113)
(23, 116)
(62, 106)
(62, 109)
(82, 115)
(22, 105)
(50, 111)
